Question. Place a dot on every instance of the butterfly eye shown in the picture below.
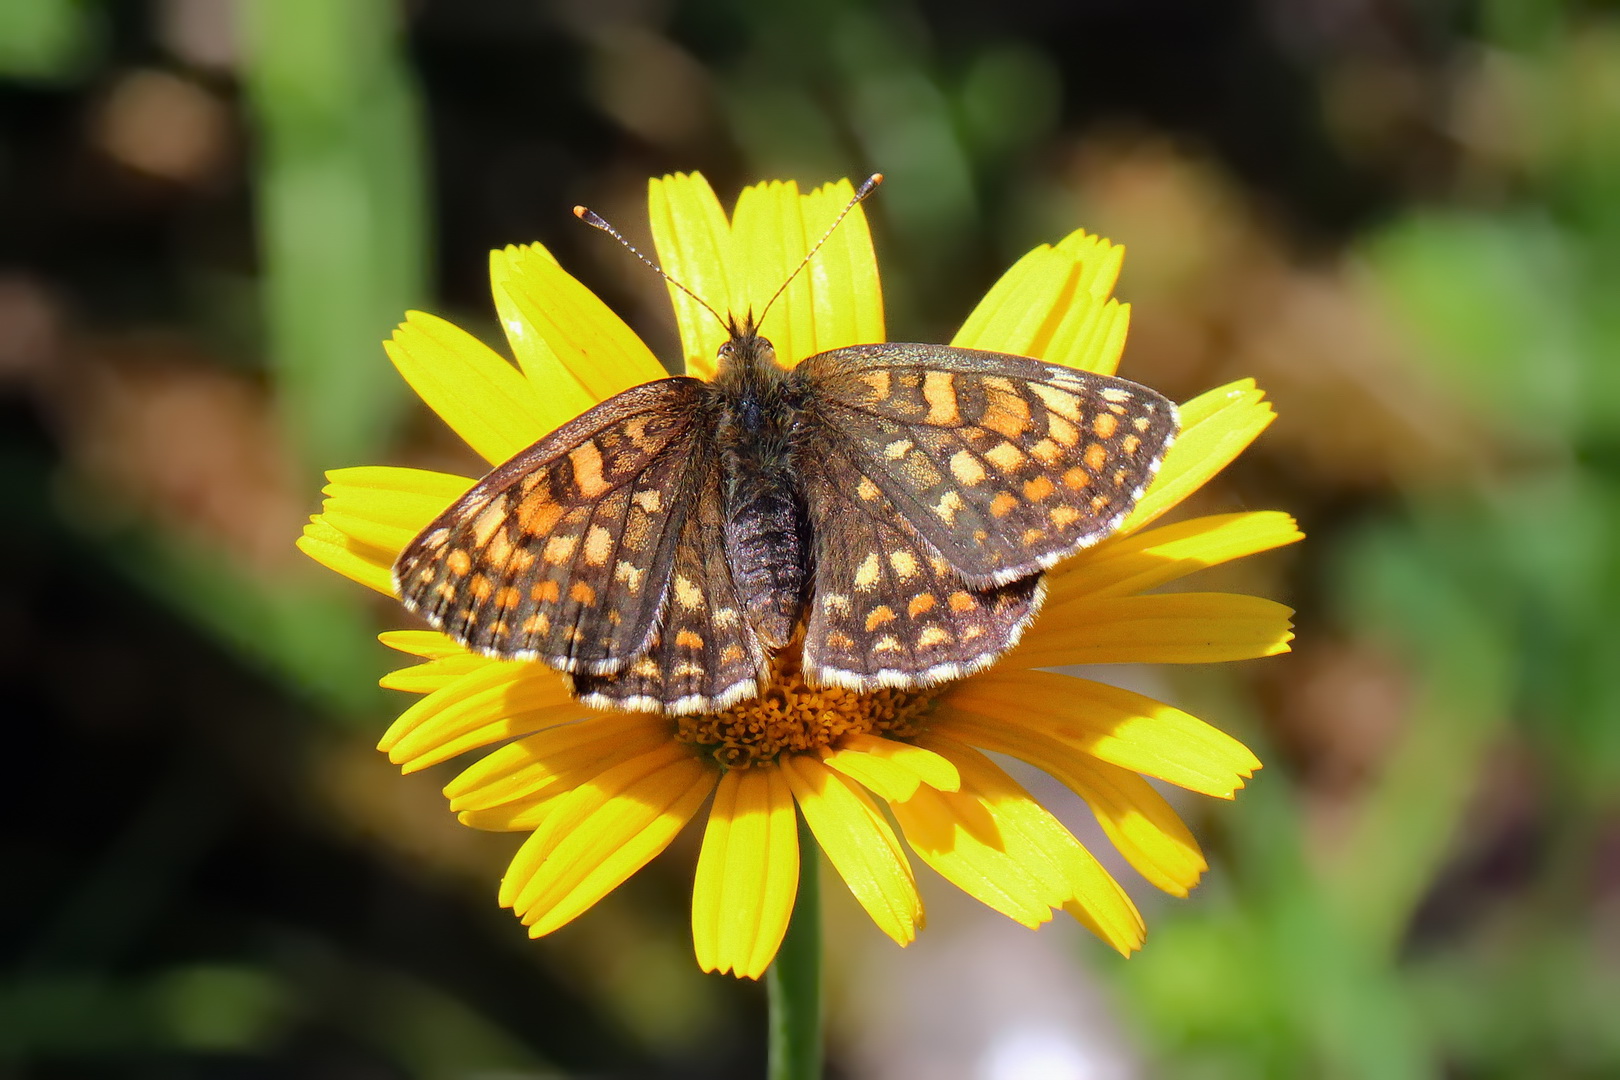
(726, 350)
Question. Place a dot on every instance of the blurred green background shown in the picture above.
(1402, 217)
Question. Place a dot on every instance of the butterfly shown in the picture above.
(895, 502)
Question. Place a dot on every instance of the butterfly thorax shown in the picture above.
(765, 522)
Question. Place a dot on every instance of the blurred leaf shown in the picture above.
(47, 40)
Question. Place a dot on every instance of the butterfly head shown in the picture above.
(744, 351)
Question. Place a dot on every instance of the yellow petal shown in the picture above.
(385, 507)
(525, 767)
(337, 550)
(833, 302)
(693, 240)
(1053, 305)
(482, 397)
(891, 770)
(1169, 628)
(1145, 829)
(859, 844)
(539, 363)
(1216, 427)
(1029, 837)
(435, 674)
(1118, 726)
(601, 833)
(491, 703)
(747, 873)
(589, 353)
(1153, 557)
(429, 644)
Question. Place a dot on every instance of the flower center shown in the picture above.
(790, 716)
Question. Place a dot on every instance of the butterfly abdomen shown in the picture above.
(765, 528)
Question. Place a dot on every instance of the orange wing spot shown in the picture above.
(1047, 452)
(1061, 402)
(509, 596)
(1140, 423)
(1095, 457)
(980, 536)
(731, 654)
(482, 588)
(867, 574)
(898, 449)
(499, 548)
(1008, 414)
(688, 639)
(687, 592)
(1103, 425)
(690, 669)
(839, 640)
(582, 592)
(522, 559)
(647, 668)
(637, 531)
(836, 603)
(489, 521)
(904, 564)
(867, 490)
(879, 382)
(1099, 503)
(650, 500)
(1004, 456)
(447, 591)
(629, 575)
(537, 515)
(1076, 478)
(1061, 430)
(1037, 489)
(972, 633)
(1116, 394)
(881, 614)
(921, 603)
(587, 462)
(933, 635)
(1032, 537)
(1129, 444)
(559, 549)
(537, 624)
(428, 574)
(961, 601)
(615, 618)
(887, 643)
(947, 507)
(547, 592)
(966, 468)
(1003, 504)
(939, 390)
(459, 563)
(1120, 476)
(1064, 516)
(598, 545)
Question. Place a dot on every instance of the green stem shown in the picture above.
(794, 979)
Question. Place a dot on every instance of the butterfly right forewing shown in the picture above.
(565, 553)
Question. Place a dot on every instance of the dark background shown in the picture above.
(1403, 218)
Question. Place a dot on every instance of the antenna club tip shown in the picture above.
(876, 179)
(580, 212)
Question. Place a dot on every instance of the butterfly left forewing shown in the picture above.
(563, 554)
(1004, 464)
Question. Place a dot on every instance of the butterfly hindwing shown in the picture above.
(564, 553)
(704, 653)
(887, 609)
(1004, 464)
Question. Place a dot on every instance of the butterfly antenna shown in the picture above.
(867, 187)
(597, 221)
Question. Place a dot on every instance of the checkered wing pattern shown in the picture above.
(704, 655)
(887, 609)
(1003, 464)
(565, 553)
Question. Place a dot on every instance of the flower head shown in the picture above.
(601, 793)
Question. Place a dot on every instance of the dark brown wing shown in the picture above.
(705, 653)
(1002, 463)
(886, 609)
(564, 554)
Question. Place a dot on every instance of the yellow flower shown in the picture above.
(601, 793)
